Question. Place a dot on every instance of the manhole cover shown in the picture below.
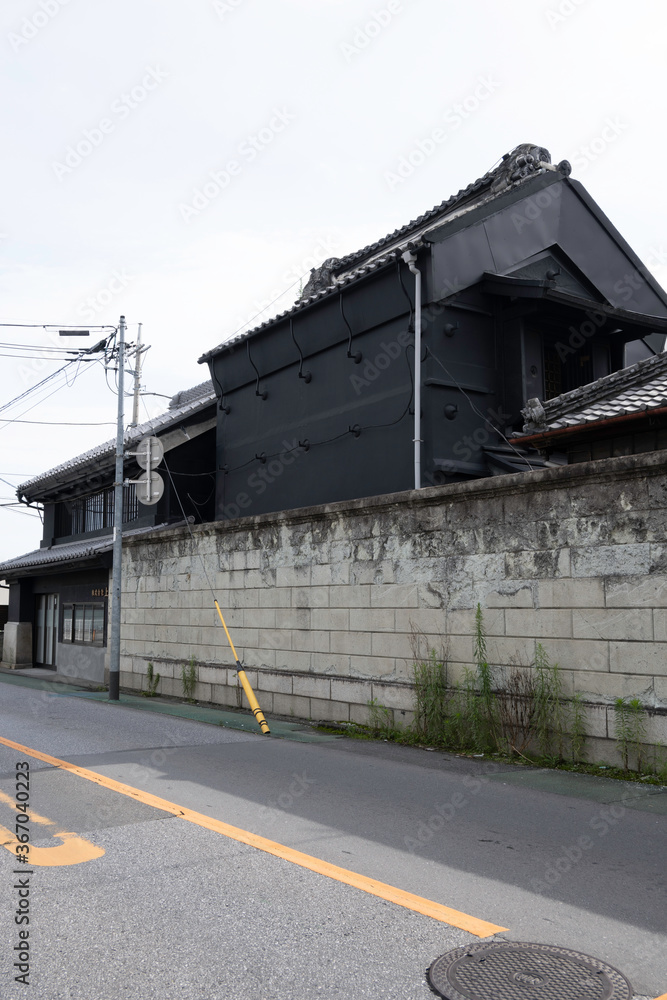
(507, 971)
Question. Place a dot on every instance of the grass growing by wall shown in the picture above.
(189, 679)
(152, 681)
(515, 711)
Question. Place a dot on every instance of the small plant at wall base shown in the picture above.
(630, 731)
(189, 679)
(526, 717)
(152, 680)
(380, 720)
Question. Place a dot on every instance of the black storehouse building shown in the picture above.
(527, 291)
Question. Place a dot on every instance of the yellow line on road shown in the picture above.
(480, 928)
(72, 851)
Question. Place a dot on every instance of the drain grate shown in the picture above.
(507, 971)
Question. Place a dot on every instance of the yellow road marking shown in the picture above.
(429, 908)
(34, 817)
(663, 997)
(73, 850)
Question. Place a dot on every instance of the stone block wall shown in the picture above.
(322, 603)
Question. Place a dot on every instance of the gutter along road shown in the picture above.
(144, 890)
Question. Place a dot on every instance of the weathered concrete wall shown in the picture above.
(321, 602)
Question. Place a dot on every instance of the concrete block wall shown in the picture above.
(322, 603)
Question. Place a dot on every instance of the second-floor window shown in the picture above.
(95, 512)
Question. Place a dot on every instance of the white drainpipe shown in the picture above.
(410, 257)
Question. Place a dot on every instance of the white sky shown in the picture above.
(338, 91)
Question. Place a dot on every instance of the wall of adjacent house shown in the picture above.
(322, 602)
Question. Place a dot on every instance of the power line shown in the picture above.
(34, 388)
(57, 326)
(6, 421)
(62, 423)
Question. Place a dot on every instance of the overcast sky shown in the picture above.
(187, 163)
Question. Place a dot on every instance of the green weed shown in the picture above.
(189, 679)
(152, 680)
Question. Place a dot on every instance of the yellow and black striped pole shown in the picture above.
(250, 694)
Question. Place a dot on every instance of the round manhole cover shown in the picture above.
(507, 971)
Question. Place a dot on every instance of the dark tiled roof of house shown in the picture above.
(70, 553)
(523, 162)
(184, 404)
(187, 396)
(636, 389)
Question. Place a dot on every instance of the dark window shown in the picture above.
(553, 379)
(83, 624)
(74, 517)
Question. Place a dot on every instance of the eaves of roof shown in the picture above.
(339, 283)
(103, 455)
(580, 424)
(69, 554)
(484, 191)
(538, 288)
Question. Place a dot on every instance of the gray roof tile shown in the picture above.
(639, 388)
(522, 162)
(70, 552)
(183, 404)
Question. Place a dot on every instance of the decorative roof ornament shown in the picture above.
(534, 414)
(321, 278)
(519, 163)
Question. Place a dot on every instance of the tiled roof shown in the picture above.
(636, 389)
(183, 404)
(185, 396)
(70, 552)
(522, 162)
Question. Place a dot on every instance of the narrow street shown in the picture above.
(141, 900)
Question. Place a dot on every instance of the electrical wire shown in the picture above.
(63, 423)
(336, 437)
(6, 421)
(479, 413)
(57, 326)
(34, 388)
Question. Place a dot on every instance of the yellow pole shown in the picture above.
(250, 694)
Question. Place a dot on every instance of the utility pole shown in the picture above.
(114, 653)
(137, 382)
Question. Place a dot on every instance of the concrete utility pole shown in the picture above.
(114, 652)
(137, 381)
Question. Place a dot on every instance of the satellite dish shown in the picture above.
(149, 453)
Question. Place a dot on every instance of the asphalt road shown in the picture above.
(157, 906)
